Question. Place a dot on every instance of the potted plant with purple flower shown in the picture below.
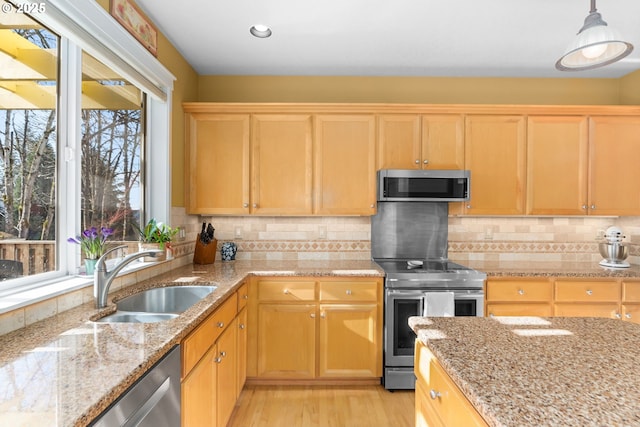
(93, 242)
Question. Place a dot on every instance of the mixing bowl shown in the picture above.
(613, 252)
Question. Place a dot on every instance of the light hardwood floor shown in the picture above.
(323, 406)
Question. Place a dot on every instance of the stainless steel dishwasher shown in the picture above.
(153, 401)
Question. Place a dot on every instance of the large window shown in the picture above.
(79, 97)
(112, 134)
(28, 148)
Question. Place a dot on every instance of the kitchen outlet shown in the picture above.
(322, 232)
(600, 234)
(237, 233)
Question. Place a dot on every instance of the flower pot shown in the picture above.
(143, 246)
(90, 266)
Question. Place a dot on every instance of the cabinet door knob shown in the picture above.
(223, 354)
(426, 162)
(589, 292)
(286, 291)
(520, 291)
(313, 315)
(593, 206)
(245, 205)
(584, 207)
(417, 161)
(255, 205)
(348, 291)
(373, 205)
(242, 326)
(468, 206)
(434, 394)
(220, 324)
(218, 360)
(628, 315)
(245, 296)
(618, 316)
(323, 315)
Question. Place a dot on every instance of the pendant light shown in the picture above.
(595, 45)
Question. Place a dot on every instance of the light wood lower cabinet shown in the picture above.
(439, 402)
(581, 298)
(564, 297)
(315, 329)
(519, 297)
(212, 366)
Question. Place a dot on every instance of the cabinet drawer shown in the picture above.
(196, 344)
(519, 290)
(286, 291)
(631, 291)
(607, 310)
(243, 296)
(596, 291)
(349, 291)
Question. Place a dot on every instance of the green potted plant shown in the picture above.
(93, 242)
(155, 235)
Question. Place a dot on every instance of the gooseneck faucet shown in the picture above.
(102, 278)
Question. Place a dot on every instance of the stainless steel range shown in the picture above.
(409, 242)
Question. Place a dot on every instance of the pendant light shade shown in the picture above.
(596, 45)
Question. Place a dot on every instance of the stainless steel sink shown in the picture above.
(133, 317)
(157, 304)
(170, 299)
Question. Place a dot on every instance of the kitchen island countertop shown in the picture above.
(67, 369)
(530, 371)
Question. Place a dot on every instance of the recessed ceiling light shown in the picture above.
(260, 31)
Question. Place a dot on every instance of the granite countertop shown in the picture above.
(65, 370)
(528, 371)
(551, 269)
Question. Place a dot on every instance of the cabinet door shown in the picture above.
(557, 150)
(281, 167)
(631, 312)
(345, 169)
(286, 340)
(442, 142)
(217, 164)
(614, 160)
(242, 350)
(399, 142)
(495, 155)
(350, 341)
(227, 373)
(199, 393)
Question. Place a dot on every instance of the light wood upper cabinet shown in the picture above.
(281, 165)
(421, 142)
(345, 167)
(218, 159)
(557, 152)
(614, 165)
(495, 154)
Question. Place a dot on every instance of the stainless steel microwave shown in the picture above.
(407, 185)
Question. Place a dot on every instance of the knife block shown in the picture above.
(205, 254)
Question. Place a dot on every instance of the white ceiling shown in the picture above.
(466, 38)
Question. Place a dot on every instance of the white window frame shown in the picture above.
(83, 25)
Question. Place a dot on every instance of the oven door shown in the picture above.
(400, 304)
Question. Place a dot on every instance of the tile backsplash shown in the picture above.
(470, 238)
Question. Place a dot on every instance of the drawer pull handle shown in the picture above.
(286, 291)
(348, 291)
(242, 326)
(220, 324)
(589, 292)
(618, 316)
(434, 394)
(628, 315)
(520, 291)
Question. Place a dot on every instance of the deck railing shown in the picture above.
(29, 256)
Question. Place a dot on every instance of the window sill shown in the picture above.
(54, 288)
